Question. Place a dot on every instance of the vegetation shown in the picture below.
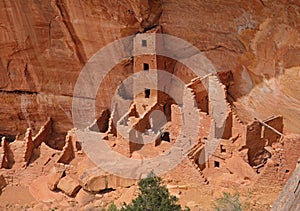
(154, 196)
(230, 202)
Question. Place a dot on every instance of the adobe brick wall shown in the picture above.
(201, 94)
(68, 152)
(227, 133)
(29, 146)
(254, 141)
(269, 135)
(101, 124)
(143, 122)
(176, 115)
(44, 133)
(6, 154)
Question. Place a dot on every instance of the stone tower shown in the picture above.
(145, 47)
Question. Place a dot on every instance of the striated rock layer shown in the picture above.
(44, 45)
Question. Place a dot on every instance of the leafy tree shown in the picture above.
(154, 196)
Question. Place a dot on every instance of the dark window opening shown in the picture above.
(287, 171)
(144, 43)
(147, 93)
(222, 149)
(217, 164)
(165, 136)
(146, 66)
(9, 138)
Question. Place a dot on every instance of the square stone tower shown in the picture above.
(145, 47)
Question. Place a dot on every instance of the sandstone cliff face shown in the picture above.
(257, 40)
(44, 45)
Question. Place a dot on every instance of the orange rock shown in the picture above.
(239, 167)
(83, 197)
(69, 185)
(95, 180)
(56, 173)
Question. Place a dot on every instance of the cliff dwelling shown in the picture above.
(203, 94)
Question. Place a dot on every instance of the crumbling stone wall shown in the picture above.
(134, 144)
(201, 94)
(140, 125)
(258, 136)
(111, 125)
(102, 123)
(68, 152)
(143, 122)
(291, 146)
(44, 133)
(254, 141)
(29, 146)
(227, 133)
(176, 114)
(7, 158)
(269, 135)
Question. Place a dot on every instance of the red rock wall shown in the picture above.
(44, 45)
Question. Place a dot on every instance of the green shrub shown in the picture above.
(154, 196)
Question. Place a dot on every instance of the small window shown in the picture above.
(223, 150)
(217, 164)
(146, 67)
(144, 43)
(287, 171)
(147, 93)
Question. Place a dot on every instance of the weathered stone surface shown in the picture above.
(114, 181)
(3, 182)
(44, 45)
(55, 174)
(6, 155)
(83, 197)
(68, 152)
(55, 38)
(44, 133)
(39, 190)
(29, 146)
(290, 195)
(95, 180)
(52, 45)
(69, 185)
(239, 167)
(129, 194)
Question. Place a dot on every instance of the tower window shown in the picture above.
(146, 66)
(147, 93)
(144, 43)
(217, 164)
